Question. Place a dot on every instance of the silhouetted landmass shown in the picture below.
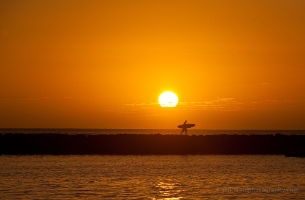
(132, 144)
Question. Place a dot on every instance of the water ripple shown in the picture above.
(151, 177)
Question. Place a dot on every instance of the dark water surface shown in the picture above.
(152, 177)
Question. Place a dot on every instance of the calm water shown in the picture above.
(152, 177)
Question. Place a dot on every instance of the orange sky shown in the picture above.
(102, 64)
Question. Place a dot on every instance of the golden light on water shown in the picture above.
(168, 99)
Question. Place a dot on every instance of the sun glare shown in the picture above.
(168, 99)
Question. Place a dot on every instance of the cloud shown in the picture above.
(35, 98)
(272, 101)
(221, 104)
(225, 99)
(142, 104)
(24, 98)
(227, 103)
(217, 104)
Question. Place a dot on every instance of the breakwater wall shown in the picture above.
(132, 144)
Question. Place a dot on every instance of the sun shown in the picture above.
(168, 99)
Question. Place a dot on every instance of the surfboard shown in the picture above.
(186, 125)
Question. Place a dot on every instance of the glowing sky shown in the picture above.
(103, 64)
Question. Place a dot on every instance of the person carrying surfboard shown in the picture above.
(185, 126)
(184, 129)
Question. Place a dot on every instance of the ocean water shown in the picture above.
(166, 177)
(191, 131)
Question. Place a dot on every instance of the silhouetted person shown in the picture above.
(184, 129)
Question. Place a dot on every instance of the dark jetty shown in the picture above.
(132, 144)
(300, 152)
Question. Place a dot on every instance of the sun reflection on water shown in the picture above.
(151, 177)
(169, 190)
